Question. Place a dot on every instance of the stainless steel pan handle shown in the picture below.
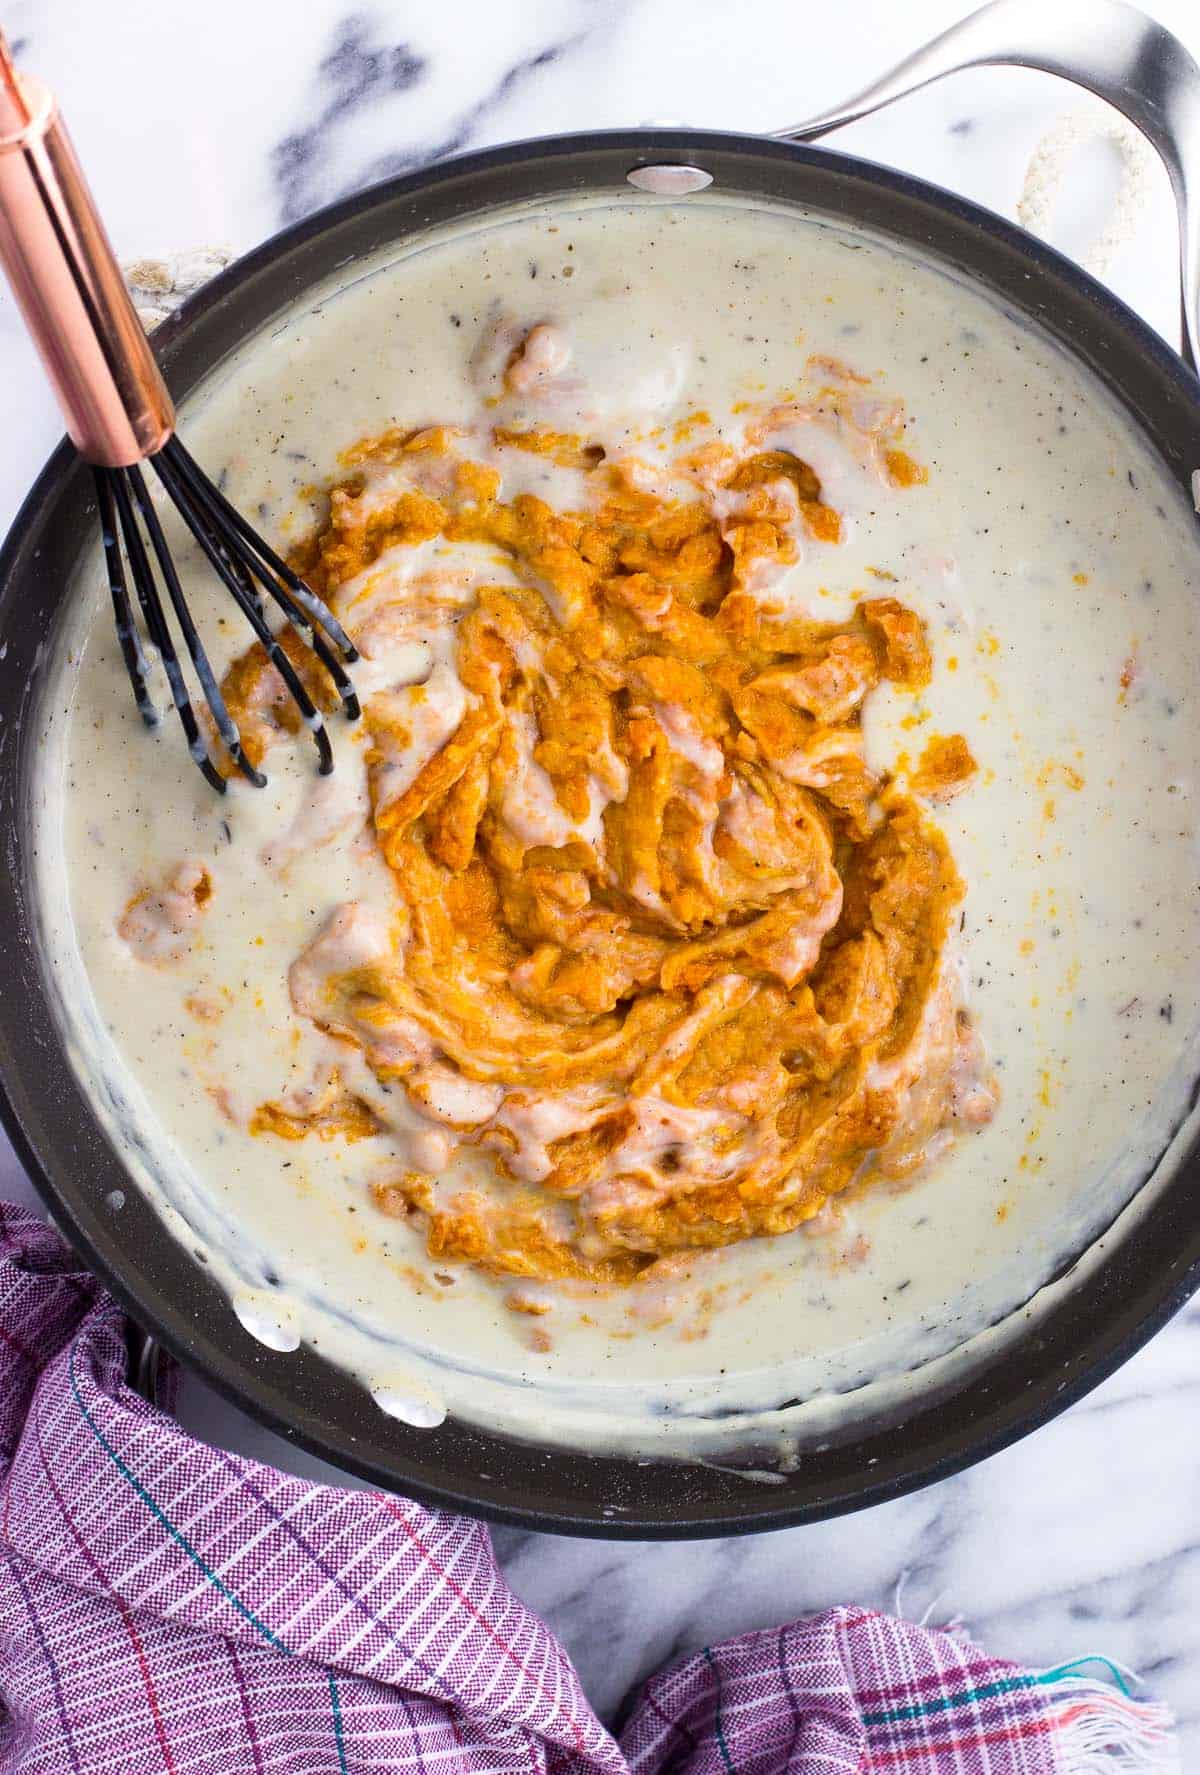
(1113, 50)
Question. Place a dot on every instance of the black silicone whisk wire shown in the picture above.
(137, 553)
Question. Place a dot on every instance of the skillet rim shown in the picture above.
(224, 1353)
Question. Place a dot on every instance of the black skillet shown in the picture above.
(1135, 1285)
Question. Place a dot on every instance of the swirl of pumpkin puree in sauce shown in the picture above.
(664, 949)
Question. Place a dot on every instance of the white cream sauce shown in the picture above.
(1048, 555)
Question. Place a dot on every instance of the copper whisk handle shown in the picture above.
(69, 286)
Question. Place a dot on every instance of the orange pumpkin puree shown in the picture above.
(665, 950)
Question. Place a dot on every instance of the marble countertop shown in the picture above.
(1086, 1536)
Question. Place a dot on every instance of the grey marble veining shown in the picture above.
(219, 124)
(365, 87)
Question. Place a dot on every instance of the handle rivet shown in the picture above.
(669, 181)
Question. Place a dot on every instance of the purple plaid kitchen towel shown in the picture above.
(165, 1607)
